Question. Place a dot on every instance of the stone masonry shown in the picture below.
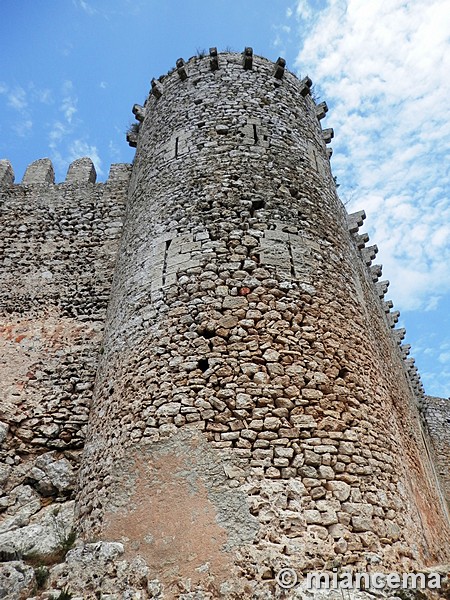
(202, 381)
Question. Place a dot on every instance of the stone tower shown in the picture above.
(252, 407)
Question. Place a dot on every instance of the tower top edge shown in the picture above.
(216, 61)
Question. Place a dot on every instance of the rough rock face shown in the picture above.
(253, 408)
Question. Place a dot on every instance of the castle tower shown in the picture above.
(252, 409)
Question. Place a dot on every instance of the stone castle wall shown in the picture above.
(57, 253)
(253, 407)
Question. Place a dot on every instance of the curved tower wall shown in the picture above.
(251, 408)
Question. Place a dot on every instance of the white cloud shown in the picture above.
(17, 98)
(85, 6)
(69, 101)
(384, 73)
(57, 133)
(444, 358)
(304, 10)
(23, 127)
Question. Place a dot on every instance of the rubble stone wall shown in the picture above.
(58, 246)
(252, 406)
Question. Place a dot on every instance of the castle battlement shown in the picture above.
(80, 171)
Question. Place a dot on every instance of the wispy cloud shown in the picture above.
(23, 127)
(69, 101)
(57, 133)
(85, 6)
(17, 98)
(44, 96)
(384, 73)
(23, 100)
(67, 138)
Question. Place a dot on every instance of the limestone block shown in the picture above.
(360, 524)
(312, 517)
(45, 535)
(57, 474)
(312, 459)
(17, 580)
(340, 489)
(303, 421)
(234, 302)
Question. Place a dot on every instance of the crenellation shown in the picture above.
(58, 248)
(375, 272)
(393, 317)
(328, 135)
(119, 172)
(214, 59)
(361, 240)
(181, 69)
(39, 172)
(157, 89)
(248, 58)
(321, 110)
(382, 288)
(280, 66)
(409, 362)
(355, 220)
(368, 254)
(6, 173)
(399, 335)
(81, 171)
(405, 349)
(139, 112)
(387, 305)
(306, 85)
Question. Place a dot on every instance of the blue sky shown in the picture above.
(72, 69)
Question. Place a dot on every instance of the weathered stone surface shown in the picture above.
(47, 533)
(340, 489)
(17, 580)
